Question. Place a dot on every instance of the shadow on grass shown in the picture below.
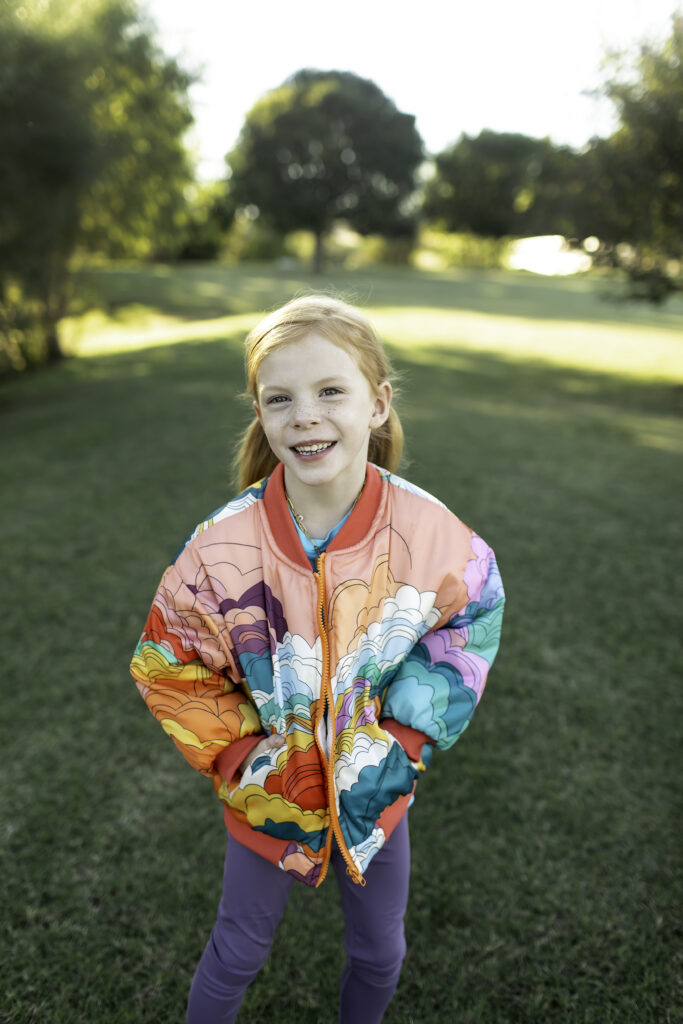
(200, 291)
(193, 291)
(518, 387)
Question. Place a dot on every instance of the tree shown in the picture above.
(47, 161)
(651, 138)
(499, 184)
(632, 182)
(554, 194)
(91, 155)
(136, 206)
(327, 145)
(210, 216)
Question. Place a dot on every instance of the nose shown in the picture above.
(305, 412)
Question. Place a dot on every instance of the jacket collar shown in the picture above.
(352, 532)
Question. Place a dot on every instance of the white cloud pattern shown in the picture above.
(406, 617)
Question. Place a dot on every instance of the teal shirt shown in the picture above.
(321, 544)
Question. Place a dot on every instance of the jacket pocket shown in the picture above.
(372, 771)
(282, 793)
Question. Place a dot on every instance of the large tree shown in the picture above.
(327, 145)
(140, 111)
(500, 183)
(632, 182)
(91, 157)
(649, 144)
(47, 161)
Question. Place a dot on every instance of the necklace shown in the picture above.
(300, 519)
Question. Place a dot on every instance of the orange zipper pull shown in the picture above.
(355, 874)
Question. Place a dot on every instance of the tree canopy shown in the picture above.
(501, 184)
(92, 119)
(327, 145)
(649, 144)
(140, 112)
(47, 162)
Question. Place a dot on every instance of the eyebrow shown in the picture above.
(338, 378)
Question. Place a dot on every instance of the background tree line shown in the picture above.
(626, 190)
(93, 163)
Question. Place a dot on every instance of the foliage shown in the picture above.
(210, 217)
(385, 250)
(91, 156)
(634, 180)
(252, 238)
(500, 184)
(348, 249)
(327, 145)
(650, 143)
(140, 112)
(47, 161)
(439, 250)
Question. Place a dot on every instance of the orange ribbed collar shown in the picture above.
(352, 532)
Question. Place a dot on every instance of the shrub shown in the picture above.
(439, 250)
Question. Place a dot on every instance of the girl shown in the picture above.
(311, 644)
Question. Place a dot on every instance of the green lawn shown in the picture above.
(546, 885)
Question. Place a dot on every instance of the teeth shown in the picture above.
(310, 449)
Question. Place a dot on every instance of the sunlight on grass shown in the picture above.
(635, 351)
(628, 351)
(95, 334)
(516, 317)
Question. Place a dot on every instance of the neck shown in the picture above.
(322, 507)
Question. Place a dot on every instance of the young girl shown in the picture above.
(311, 644)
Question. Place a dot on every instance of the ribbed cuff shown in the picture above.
(229, 760)
(411, 740)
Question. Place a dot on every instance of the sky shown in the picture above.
(526, 66)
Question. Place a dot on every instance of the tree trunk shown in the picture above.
(53, 350)
(319, 253)
(54, 306)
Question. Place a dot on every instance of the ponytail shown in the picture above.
(386, 443)
(254, 458)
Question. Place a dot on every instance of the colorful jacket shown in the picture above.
(363, 666)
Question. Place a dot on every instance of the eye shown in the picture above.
(331, 391)
(276, 399)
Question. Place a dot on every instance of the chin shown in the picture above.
(314, 475)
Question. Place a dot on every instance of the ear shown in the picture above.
(382, 405)
(257, 409)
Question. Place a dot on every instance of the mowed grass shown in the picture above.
(545, 880)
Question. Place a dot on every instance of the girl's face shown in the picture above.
(317, 409)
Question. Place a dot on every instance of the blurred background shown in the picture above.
(228, 133)
(500, 188)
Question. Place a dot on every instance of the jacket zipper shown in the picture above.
(328, 702)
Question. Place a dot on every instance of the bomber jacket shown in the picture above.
(363, 665)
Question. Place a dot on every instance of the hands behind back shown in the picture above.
(267, 743)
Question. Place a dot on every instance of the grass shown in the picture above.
(575, 322)
(546, 885)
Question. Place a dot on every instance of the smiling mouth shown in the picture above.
(315, 448)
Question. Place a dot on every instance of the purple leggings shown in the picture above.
(255, 894)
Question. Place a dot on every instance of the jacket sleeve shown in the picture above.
(437, 687)
(187, 677)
